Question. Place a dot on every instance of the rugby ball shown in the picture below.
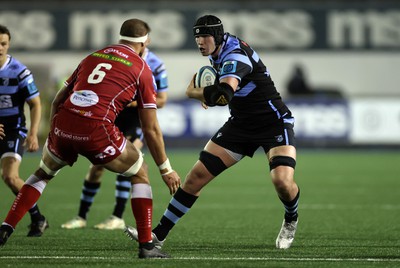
(205, 77)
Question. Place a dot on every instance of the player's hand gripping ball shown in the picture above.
(205, 77)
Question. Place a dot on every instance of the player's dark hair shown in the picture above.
(134, 28)
(4, 30)
(209, 25)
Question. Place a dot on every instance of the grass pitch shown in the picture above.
(349, 216)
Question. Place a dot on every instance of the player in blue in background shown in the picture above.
(17, 87)
(259, 118)
(128, 122)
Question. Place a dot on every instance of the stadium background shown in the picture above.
(350, 46)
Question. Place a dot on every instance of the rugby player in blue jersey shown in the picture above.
(17, 87)
(259, 118)
(128, 122)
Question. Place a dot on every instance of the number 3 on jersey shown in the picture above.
(97, 74)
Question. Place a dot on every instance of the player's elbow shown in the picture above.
(150, 132)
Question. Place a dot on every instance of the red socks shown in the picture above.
(142, 209)
(24, 201)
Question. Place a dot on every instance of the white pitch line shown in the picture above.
(293, 259)
(347, 207)
(303, 206)
(213, 258)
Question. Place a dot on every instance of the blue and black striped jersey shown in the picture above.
(16, 87)
(256, 102)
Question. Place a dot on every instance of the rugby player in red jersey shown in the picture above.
(83, 114)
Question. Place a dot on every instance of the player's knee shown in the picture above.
(282, 183)
(282, 161)
(55, 166)
(94, 174)
(135, 167)
(9, 180)
(47, 170)
(213, 163)
(145, 167)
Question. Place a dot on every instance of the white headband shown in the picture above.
(141, 39)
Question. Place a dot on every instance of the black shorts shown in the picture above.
(13, 143)
(245, 141)
(129, 124)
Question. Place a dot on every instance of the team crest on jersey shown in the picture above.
(11, 144)
(84, 98)
(229, 67)
(5, 81)
(279, 138)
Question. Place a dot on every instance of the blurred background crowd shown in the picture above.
(334, 62)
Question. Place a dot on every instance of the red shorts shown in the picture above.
(72, 135)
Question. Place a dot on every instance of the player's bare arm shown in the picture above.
(193, 92)
(161, 99)
(32, 141)
(60, 97)
(155, 143)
